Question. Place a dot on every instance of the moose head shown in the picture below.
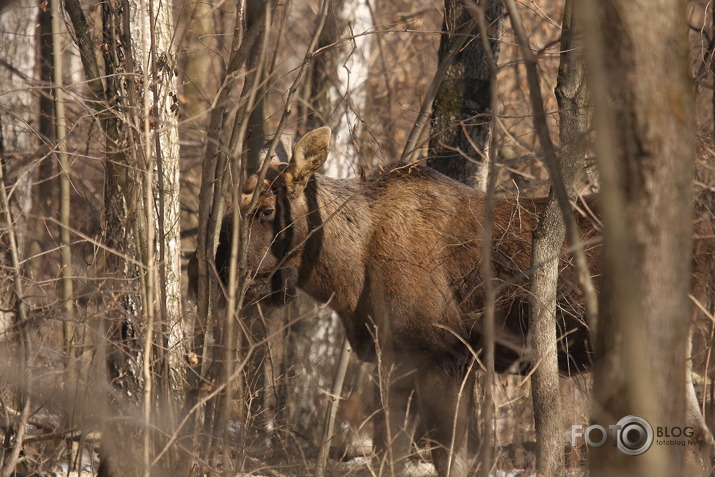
(276, 231)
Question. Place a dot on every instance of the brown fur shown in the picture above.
(398, 256)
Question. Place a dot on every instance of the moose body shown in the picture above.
(398, 256)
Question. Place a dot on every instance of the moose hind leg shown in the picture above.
(446, 404)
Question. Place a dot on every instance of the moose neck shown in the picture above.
(336, 230)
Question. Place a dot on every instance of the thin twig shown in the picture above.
(490, 290)
(61, 132)
(211, 203)
(211, 197)
(150, 277)
(332, 410)
(246, 358)
(237, 225)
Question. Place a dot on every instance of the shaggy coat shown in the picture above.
(397, 255)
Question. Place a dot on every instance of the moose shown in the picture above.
(398, 255)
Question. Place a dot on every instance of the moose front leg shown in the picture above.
(446, 405)
(394, 421)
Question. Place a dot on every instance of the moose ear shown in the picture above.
(308, 155)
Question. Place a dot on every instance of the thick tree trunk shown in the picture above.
(122, 222)
(461, 114)
(642, 94)
(158, 39)
(137, 42)
(115, 230)
(45, 188)
(321, 81)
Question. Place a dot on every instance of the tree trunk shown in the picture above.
(153, 32)
(348, 92)
(637, 52)
(130, 202)
(547, 245)
(461, 115)
(321, 81)
(255, 132)
(46, 170)
(121, 220)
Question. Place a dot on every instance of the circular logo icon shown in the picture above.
(634, 436)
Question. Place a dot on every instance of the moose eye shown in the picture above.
(268, 212)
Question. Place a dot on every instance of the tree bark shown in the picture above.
(45, 58)
(461, 114)
(114, 230)
(154, 55)
(165, 195)
(321, 79)
(637, 52)
(547, 245)
(255, 132)
(122, 223)
(139, 144)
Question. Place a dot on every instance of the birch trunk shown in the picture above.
(154, 55)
